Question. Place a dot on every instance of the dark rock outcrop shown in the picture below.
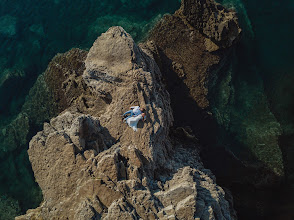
(190, 57)
(195, 49)
(190, 61)
(197, 69)
(213, 20)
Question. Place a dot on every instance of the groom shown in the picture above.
(135, 110)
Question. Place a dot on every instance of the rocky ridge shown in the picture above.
(90, 165)
(91, 168)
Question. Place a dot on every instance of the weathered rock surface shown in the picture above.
(194, 49)
(135, 81)
(190, 62)
(196, 62)
(187, 48)
(96, 167)
(212, 19)
(64, 79)
(60, 87)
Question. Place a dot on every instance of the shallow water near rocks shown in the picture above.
(261, 118)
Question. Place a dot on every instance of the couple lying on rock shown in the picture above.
(133, 116)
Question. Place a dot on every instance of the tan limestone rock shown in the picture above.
(98, 168)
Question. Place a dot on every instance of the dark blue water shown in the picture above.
(31, 33)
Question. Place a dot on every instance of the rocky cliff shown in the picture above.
(97, 167)
(224, 103)
(193, 45)
(90, 165)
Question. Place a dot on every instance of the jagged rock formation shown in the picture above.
(188, 46)
(60, 87)
(195, 49)
(64, 79)
(213, 20)
(196, 61)
(190, 62)
(96, 167)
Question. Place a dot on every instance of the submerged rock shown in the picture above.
(15, 134)
(96, 167)
(37, 29)
(8, 207)
(8, 25)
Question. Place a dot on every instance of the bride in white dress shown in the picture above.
(133, 121)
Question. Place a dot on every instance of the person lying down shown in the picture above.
(135, 110)
(133, 121)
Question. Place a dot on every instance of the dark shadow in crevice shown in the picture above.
(252, 199)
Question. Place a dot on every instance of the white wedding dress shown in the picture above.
(133, 121)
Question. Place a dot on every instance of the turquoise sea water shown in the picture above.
(263, 74)
(261, 117)
(31, 33)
